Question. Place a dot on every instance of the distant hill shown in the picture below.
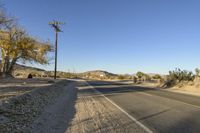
(98, 74)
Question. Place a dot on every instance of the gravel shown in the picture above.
(17, 113)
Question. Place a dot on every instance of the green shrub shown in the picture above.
(143, 76)
(157, 76)
(121, 77)
(135, 79)
(197, 70)
(140, 74)
(181, 75)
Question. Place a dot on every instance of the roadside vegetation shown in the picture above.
(178, 76)
(142, 76)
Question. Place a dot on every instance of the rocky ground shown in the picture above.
(28, 99)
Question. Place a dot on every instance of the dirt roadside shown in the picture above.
(190, 90)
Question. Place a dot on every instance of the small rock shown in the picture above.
(3, 119)
(51, 81)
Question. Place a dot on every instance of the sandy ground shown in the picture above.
(186, 90)
(191, 90)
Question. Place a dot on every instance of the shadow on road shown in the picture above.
(110, 88)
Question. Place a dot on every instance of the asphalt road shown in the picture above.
(159, 111)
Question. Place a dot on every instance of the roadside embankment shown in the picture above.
(18, 112)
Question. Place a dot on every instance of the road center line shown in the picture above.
(127, 114)
(145, 93)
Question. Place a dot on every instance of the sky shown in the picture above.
(119, 36)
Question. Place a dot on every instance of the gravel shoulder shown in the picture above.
(56, 117)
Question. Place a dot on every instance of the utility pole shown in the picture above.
(56, 26)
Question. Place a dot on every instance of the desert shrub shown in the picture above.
(169, 83)
(143, 76)
(147, 77)
(135, 79)
(140, 74)
(121, 77)
(181, 75)
(197, 71)
(18, 74)
(157, 76)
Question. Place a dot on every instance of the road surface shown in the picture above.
(158, 111)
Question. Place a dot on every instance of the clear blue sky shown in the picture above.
(120, 36)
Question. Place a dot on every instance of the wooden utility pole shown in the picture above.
(56, 26)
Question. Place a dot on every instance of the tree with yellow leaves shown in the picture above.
(17, 45)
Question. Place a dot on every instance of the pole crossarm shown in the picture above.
(56, 25)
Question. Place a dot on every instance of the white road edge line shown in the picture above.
(127, 114)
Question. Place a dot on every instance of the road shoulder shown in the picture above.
(94, 113)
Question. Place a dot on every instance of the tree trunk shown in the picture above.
(7, 67)
(12, 63)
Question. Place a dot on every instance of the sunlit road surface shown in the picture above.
(153, 110)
